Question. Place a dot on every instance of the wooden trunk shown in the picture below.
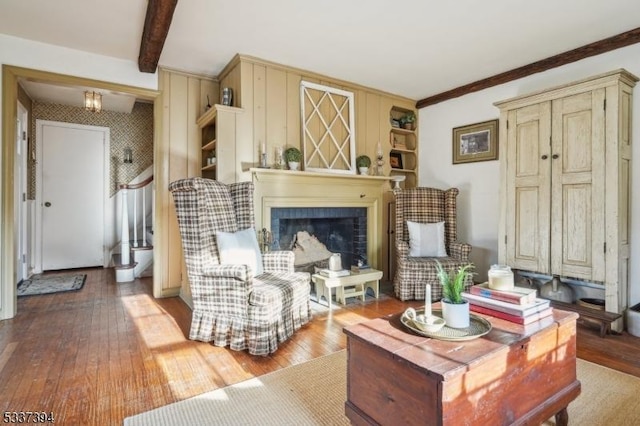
(513, 375)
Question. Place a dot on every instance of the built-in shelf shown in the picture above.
(400, 130)
(218, 123)
(402, 150)
(209, 146)
(404, 144)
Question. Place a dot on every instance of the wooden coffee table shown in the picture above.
(353, 285)
(513, 375)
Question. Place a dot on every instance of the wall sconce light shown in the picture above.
(128, 156)
(92, 101)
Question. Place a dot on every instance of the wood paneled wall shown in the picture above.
(269, 93)
(184, 98)
(270, 96)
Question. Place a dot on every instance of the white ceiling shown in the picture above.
(74, 96)
(414, 48)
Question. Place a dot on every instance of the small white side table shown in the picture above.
(356, 284)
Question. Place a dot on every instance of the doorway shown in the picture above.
(72, 182)
(10, 77)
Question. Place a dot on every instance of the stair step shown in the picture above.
(141, 245)
(117, 262)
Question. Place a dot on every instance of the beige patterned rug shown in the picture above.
(313, 393)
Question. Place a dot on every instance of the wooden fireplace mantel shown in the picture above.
(265, 174)
(286, 188)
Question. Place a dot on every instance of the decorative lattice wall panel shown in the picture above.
(328, 129)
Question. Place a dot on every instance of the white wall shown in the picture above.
(479, 182)
(40, 56)
(46, 57)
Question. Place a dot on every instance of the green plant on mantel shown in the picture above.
(293, 155)
(363, 161)
(453, 283)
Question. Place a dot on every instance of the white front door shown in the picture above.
(72, 198)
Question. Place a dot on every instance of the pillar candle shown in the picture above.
(427, 301)
(264, 148)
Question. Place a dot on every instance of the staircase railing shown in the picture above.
(139, 190)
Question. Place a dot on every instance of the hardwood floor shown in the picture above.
(109, 351)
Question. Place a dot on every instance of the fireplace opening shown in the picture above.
(342, 230)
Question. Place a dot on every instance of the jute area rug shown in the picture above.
(314, 393)
(46, 284)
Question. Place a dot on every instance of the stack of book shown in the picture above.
(334, 274)
(520, 305)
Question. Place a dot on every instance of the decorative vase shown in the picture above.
(294, 165)
(227, 96)
(456, 315)
(363, 170)
(278, 160)
(335, 262)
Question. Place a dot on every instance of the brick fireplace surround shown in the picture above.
(292, 189)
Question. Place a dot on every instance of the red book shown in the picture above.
(506, 307)
(513, 318)
(519, 295)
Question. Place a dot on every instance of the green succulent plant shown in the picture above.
(453, 282)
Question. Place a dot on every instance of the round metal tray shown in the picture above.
(477, 327)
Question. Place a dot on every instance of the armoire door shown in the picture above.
(528, 187)
(577, 186)
(555, 183)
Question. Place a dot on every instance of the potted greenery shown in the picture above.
(293, 157)
(363, 162)
(455, 309)
(407, 120)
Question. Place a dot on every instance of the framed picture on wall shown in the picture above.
(475, 142)
(395, 160)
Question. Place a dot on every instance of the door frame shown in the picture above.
(21, 184)
(10, 76)
(107, 213)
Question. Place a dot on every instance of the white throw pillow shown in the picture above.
(426, 239)
(240, 248)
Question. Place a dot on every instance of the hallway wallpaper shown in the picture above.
(133, 131)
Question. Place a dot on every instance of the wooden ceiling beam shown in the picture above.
(621, 40)
(156, 28)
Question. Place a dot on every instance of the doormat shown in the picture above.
(46, 284)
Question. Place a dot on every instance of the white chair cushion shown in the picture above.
(426, 239)
(240, 248)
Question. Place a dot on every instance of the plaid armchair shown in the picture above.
(426, 205)
(231, 305)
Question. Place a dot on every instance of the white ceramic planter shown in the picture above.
(456, 315)
(363, 170)
(294, 165)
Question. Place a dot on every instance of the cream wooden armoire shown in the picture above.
(565, 182)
